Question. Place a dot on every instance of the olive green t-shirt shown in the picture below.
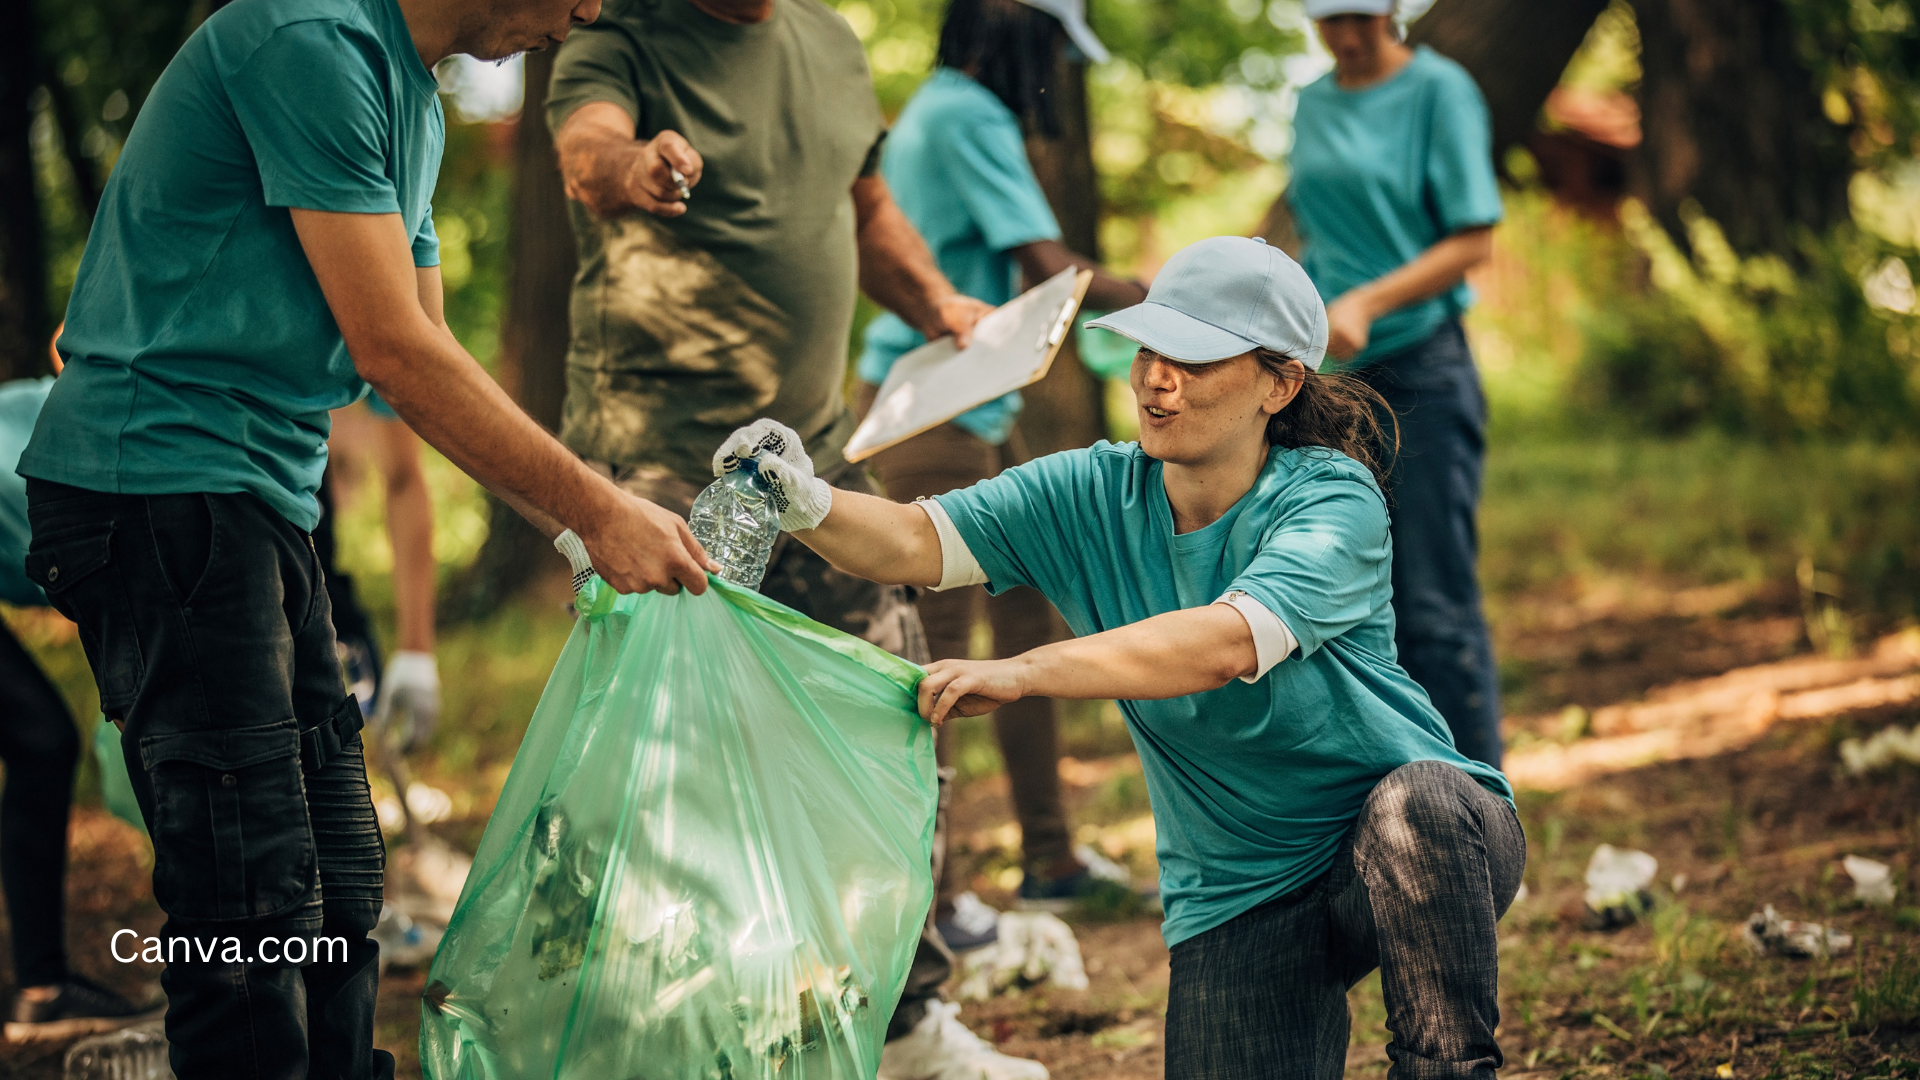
(685, 328)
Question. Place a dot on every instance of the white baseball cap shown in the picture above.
(1225, 296)
(1322, 9)
(1073, 15)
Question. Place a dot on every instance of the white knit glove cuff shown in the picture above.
(569, 544)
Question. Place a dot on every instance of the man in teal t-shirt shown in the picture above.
(264, 244)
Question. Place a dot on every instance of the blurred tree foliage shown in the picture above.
(1866, 57)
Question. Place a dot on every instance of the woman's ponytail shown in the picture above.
(1338, 412)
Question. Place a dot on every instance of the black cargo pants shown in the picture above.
(205, 618)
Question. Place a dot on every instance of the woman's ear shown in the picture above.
(1283, 387)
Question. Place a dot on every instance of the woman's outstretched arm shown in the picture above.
(1171, 655)
(877, 539)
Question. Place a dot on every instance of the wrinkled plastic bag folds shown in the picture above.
(710, 859)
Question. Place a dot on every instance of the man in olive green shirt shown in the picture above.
(723, 161)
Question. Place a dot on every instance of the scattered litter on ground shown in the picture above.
(1767, 934)
(1881, 751)
(404, 941)
(1872, 881)
(973, 915)
(1034, 947)
(1617, 880)
(425, 876)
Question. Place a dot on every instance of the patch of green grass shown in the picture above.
(1704, 509)
(1890, 997)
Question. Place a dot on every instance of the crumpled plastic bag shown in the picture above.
(1617, 880)
(1872, 881)
(1033, 947)
(710, 859)
(1766, 933)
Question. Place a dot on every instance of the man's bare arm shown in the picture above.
(897, 269)
(609, 172)
(365, 268)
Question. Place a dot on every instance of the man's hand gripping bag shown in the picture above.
(710, 860)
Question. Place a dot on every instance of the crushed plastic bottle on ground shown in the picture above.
(132, 1053)
(1767, 934)
(737, 524)
(1034, 947)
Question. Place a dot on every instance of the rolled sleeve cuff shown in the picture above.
(1272, 641)
(958, 567)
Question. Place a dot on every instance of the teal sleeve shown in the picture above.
(1459, 169)
(988, 160)
(1019, 524)
(1323, 566)
(426, 244)
(311, 103)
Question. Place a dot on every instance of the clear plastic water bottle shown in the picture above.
(737, 524)
(133, 1053)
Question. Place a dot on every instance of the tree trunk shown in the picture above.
(1515, 49)
(1731, 119)
(534, 332)
(1065, 410)
(23, 271)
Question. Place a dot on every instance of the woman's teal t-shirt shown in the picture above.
(1383, 173)
(956, 163)
(1253, 785)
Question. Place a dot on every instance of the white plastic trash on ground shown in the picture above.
(1034, 947)
(1767, 934)
(1872, 881)
(1617, 881)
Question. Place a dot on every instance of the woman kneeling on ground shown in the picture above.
(1228, 580)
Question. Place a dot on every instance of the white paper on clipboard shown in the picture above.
(1013, 347)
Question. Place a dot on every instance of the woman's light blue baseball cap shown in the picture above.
(1321, 9)
(1225, 296)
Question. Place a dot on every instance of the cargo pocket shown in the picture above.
(68, 565)
(231, 837)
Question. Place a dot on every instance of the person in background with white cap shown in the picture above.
(1393, 199)
(956, 162)
(1228, 577)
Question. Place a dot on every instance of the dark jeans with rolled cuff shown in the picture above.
(1440, 630)
(40, 747)
(1415, 890)
(206, 621)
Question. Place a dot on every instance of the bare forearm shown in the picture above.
(1172, 655)
(897, 269)
(596, 165)
(877, 539)
(1429, 274)
(1106, 292)
(410, 531)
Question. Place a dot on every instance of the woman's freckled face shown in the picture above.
(1188, 411)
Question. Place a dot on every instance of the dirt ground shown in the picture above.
(1762, 820)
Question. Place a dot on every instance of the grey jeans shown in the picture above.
(1415, 890)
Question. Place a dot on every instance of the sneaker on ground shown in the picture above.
(972, 925)
(81, 1007)
(941, 1048)
(1101, 881)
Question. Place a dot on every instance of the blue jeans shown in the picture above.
(1416, 889)
(1433, 492)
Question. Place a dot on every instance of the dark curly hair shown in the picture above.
(1338, 412)
(1011, 49)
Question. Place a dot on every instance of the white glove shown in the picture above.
(774, 452)
(761, 437)
(410, 687)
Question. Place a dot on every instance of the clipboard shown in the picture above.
(1012, 347)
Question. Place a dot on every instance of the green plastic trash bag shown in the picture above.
(116, 789)
(710, 859)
